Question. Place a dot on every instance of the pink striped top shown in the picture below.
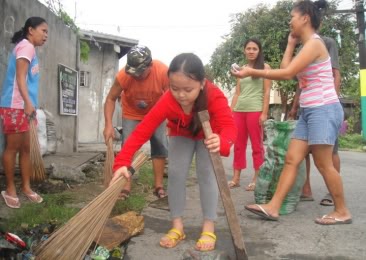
(317, 84)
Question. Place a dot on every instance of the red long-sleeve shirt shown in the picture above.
(167, 107)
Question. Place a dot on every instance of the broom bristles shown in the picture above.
(73, 240)
(38, 172)
(108, 164)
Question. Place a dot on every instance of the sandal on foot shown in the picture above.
(33, 197)
(250, 187)
(306, 198)
(329, 220)
(124, 194)
(160, 193)
(206, 244)
(233, 184)
(10, 201)
(173, 237)
(327, 200)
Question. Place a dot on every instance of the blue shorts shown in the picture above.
(319, 125)
(158, 141)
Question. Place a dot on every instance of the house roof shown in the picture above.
(124, 43)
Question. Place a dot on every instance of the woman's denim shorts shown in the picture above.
(319, 125)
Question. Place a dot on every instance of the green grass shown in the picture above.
(53, 210)
(352, 142)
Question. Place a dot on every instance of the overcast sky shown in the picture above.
(167, 27)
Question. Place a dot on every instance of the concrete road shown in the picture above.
(294, 236)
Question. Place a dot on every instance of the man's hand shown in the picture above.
(292, 114)
(262, 118)
(213, 143)
(108, 133)
(121, 172)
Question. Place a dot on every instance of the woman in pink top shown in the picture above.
(321, 116)
(19, 99)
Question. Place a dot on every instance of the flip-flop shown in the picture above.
(261, 212)
(233, 184)
(15, 204)
(124, 194)
(160, 193)
(34, 197)
(174, 236)
(327, 200)
(306, 198)
(250, 187)
(328, 220)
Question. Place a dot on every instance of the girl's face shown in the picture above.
(297, 22)
(38, 36)
(251, 51)
(184, 89)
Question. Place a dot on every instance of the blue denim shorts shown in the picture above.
(319, 125)
(158, 141)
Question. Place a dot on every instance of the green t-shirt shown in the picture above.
(251, 95)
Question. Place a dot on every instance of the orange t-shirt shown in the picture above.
(139, 96)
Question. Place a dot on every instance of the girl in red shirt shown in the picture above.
(189, 93)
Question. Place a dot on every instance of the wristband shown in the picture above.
(131, 170)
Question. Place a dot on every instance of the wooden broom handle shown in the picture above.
(230, 211)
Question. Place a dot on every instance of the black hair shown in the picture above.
(315, 10)
(33, 22)
(259, 61)
(191, 66)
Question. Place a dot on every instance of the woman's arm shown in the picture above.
(236, 95)
(22, 66)
(267, 84)
(312, 51)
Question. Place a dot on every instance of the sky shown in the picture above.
(167, 27)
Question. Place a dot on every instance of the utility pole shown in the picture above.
(360, 13)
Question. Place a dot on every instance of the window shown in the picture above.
(84, 79)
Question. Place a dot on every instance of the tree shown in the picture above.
(271, 27)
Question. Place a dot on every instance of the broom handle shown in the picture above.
(219, 170)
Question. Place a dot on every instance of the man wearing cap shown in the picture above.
(140, 84)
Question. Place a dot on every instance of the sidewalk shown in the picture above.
(294, 236)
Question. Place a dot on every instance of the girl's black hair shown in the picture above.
(191, 66)
(315, 10)
(23, 33)
(259, 61)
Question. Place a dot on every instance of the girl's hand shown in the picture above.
(213, 143)
(121, 172)
(262, 119)
(242, 73)
(29, 110)
(293, 41)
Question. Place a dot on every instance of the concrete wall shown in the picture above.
(59, 49)
(103, 67)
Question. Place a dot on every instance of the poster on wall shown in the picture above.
(68, 85)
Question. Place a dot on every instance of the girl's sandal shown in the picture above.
(206, 244)
(173, 237)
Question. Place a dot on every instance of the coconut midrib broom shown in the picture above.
(73, 240)
(38, 172)
(108, 164)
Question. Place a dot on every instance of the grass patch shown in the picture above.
(52, 210)
(352, 142)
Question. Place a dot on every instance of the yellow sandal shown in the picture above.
(202, 242)
(174, 237)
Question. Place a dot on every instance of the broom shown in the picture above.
(38, 172)
(73, 239)
(108, 164)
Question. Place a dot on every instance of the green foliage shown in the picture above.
(56, 7)
(352, 141)
(271, 27)
(53, 210)
(84, 51)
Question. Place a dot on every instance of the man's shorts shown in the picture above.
(319, 125)
(158, 141)
(13, 120)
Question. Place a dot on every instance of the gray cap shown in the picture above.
(138, 59)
